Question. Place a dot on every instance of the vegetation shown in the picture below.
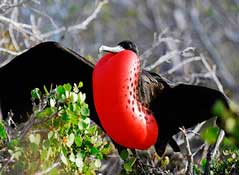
(58, 138)
(168, 34)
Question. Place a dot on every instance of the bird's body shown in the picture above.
(48, 64)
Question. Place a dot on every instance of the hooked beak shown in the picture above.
(110, 49)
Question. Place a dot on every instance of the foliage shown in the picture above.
(230, 122)
(205, 30)
(3, 134)
(143, 162)
(61, 136)
(227, 163)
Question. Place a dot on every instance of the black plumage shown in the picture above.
(51, 64)
(176, 106)
(47, 64)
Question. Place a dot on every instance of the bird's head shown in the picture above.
(123, 45)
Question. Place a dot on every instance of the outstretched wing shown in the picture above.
(46, 64)
(184, 105)
(190, 104)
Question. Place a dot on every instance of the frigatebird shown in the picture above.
(136, 108)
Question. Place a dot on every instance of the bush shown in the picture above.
(58, 138)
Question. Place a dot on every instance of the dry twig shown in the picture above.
(189, 155)
(81, 26)
(54, 165)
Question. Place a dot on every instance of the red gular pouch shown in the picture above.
(115, 86)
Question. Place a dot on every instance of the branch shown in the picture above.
(183, 63)
(193, 132)
(193, 52)
(227, 77)
(209, 158)
(16, 24)
(168, 56)
(216, 146)
(189, 168)
(10, 52)
(7, 161)
(20, 27)
(5, 6)
(213, 73)
(32, 121)
(48, 169)
(14, 15)
(44, 15)
(81, 26)
(157, 41)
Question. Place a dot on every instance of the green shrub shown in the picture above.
(59, 139)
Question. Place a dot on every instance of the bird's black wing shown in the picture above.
(46, 64)
(190, 104)
(183, 105)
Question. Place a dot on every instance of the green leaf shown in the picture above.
(50, 152)
(72, 157)
(219, 109)
(82, 125)
(64, 117)
(124, 154)
(107, 149)
(46, 112)
(99, 155)
(79, 162)
(44, 155)
(94, 150)
(13, 143)
(60, 90)
(80, 85)
(129, 164)
(210, 134)
(75, 89)
(70, 140)
(36, 93)
(203, 163)
(97, 163)
(52, 102)
(45, 89)
(92, 130)
(74, 97)
(3, 134)
(67, 87)
(50, 134)
(63, 158)
(82, 97)
(35, 138)
(17, 153)
(230, 124)
(78, 141)
(84, 111)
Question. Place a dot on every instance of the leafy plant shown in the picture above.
(61, 140)
(227, 163)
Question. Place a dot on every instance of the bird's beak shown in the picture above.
(110, 49)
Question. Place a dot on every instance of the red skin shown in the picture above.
(124, 118)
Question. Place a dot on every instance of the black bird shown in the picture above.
(51, 64)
